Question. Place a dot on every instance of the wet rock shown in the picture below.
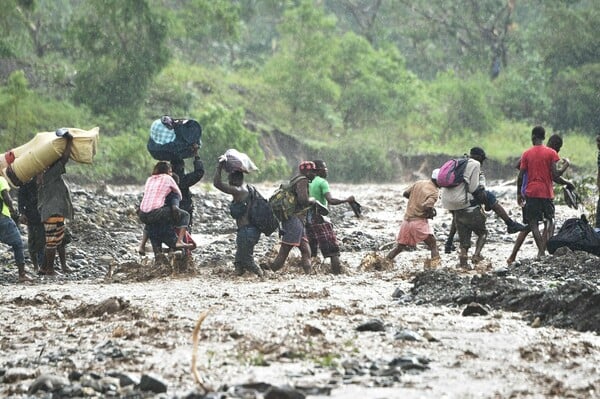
(429, 337)
(47, 383)
(312, 330)
(152, 384)
(398, 293)
(75, 375)
(283, 393)
(371, 325)
(408, 335)
(124, 379)
(474, 309)
(537, 322)
(410, 363)
(18, 374)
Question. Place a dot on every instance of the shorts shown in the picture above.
(321, 235)
(293, 231)
(469, 220)
(413, 232)
(538, 209)
(485, 198)
(54, 229)
(161, 234)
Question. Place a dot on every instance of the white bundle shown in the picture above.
(236, 161)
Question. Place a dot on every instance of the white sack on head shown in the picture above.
(238, 162)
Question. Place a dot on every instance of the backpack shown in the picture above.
(260, 213)
(452, 172)
(283, 201)
(576, 234)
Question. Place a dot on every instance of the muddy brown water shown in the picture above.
(538, 339)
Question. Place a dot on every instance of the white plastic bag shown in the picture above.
(238, 162)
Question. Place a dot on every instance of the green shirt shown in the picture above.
(4, 186)
(318, 188)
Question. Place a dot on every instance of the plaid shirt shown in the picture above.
(160, 133)
(156, 191)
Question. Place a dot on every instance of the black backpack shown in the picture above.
(260, 213)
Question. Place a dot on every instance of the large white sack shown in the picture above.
(238, 161)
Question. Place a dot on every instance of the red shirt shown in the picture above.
(156, 191)
(537, 162)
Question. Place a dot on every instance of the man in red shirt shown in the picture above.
(540, 164)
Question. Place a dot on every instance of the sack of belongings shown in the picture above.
(172, 139)
(21, 164)
(577, 235)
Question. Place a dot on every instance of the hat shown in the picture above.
(434, 174)
(478, 152)
(307, 165)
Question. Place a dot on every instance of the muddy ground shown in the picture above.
(121, 325)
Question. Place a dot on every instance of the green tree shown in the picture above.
(465, 106)
(300, 71)
(120, 46)
(223, 129)
(576, 99)
(18, 115)
(567, 35)
(374, 83)
(206, 31)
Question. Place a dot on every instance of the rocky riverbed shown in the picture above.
(121, 325)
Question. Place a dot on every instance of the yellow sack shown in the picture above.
(46, 148)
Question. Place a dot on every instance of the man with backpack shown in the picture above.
(318, 229)
(292, 227)
(247, 234)
(486, 198)
(468, 217)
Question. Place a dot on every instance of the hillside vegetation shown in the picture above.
(360, 83)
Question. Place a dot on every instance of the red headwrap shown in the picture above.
(307, 165)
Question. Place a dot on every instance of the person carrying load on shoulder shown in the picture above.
(184, 182)
(486, 198)
(415, 228)
(292, 227)
(155, 209)
(55, 207)
(319, 229)
(468, 217)
(247, 234)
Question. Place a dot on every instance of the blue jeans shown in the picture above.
(10, 235)
(247, 237)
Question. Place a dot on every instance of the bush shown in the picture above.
(358, 163)
(465, 105)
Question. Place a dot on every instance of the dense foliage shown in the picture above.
(357, 82)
